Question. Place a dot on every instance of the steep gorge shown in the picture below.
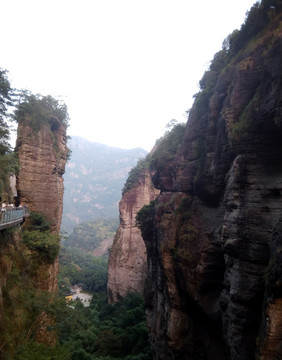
(213, 235)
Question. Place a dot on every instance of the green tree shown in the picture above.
(8, 160)
(37, 221)
(109, 343)
(5, 103)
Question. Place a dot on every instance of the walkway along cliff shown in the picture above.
(214, 234)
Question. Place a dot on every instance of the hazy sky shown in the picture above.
(124, 68)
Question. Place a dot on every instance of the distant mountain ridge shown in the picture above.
(94, 178)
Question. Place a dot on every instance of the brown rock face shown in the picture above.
(42, 157)
(127, 268)
(214, 246)
(24, 272)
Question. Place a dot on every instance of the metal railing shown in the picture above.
(12, 216)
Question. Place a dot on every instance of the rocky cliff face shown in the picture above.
(214, 240)
(127, 269)
(28, 259)
(42, 158)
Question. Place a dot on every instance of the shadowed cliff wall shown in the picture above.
(214, 241)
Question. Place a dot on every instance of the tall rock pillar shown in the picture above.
(127, 269)
(42, 157)
(42, 153)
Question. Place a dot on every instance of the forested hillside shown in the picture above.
(94, 178)
(89, 236)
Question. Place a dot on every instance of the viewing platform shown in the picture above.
(12, 216)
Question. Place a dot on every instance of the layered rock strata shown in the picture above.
(26, 272)
(127, 268)
(42, 157)
(214, 247)
(214, 234)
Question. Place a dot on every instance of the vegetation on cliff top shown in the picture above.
(167, 146)
(35, 109)
(136, 173)
(38, 109)
(216, 84)
(165, 151)
(257, 19)
(259, 16)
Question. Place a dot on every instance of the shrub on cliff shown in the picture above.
(37, 221)
(208, 83)
(167, 148)
(44, 243)
(135, 174)
(145, 220)
(38, 238)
